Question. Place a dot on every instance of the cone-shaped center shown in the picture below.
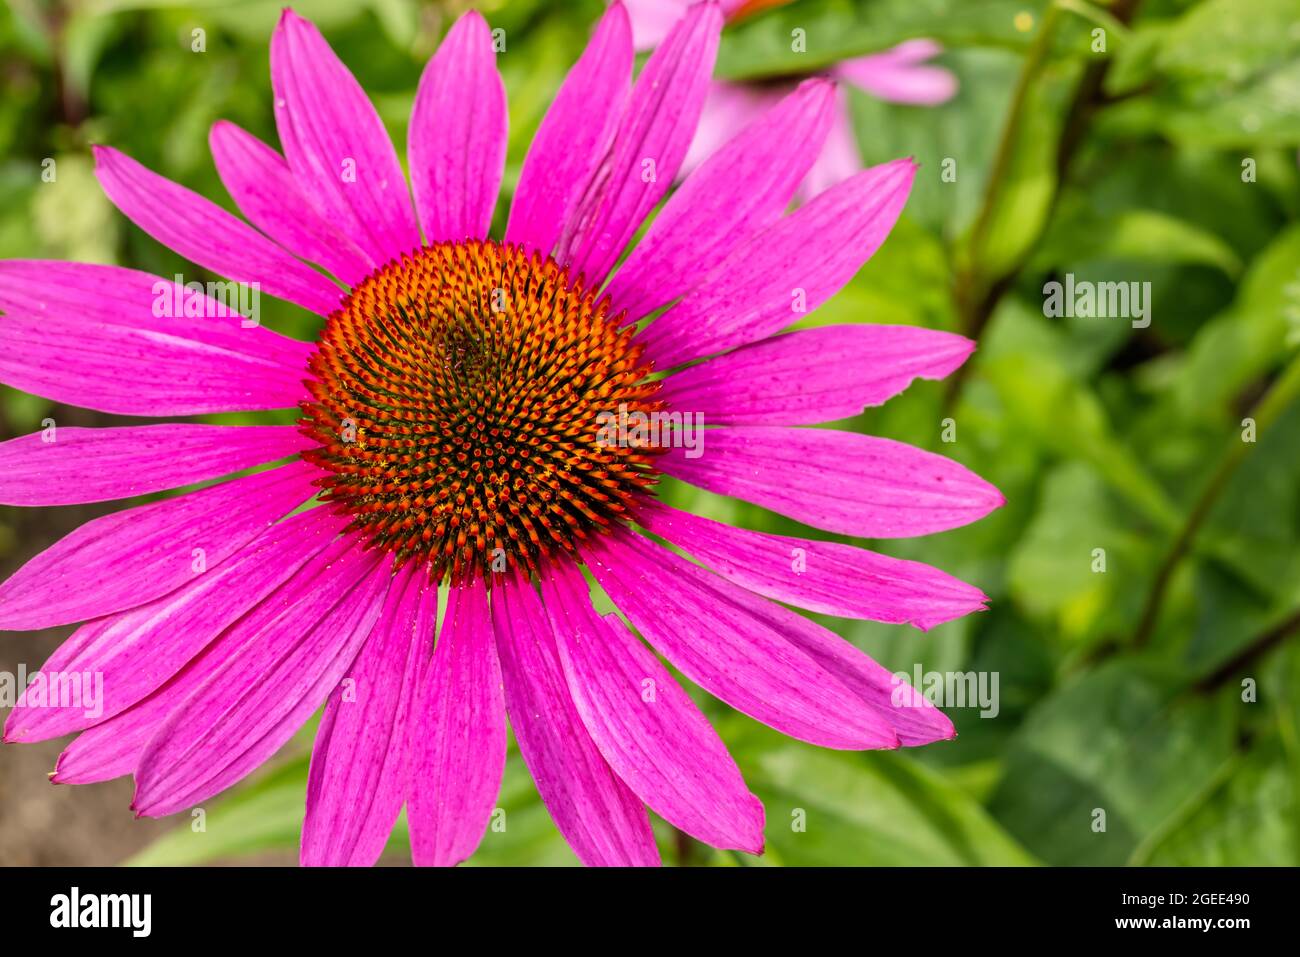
(458, 400)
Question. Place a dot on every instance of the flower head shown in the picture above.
(451, 438)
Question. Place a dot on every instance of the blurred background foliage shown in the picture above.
(1120, 690)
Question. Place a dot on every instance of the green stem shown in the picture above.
(969, 280)
(1252, 652)
(1094, 14)
(1278, 398)
(976, 297)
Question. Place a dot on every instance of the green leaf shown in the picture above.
(521, 832)
(1139, 235)
(878, 809)
(1252, 527)
(263, 815)
(1236, 69)
(1249, 821)
(1125, 741)
(1226, 40)
(1055, 573)
(836, 30)
(1247, 340)
(1260, 113)
(1043, 396)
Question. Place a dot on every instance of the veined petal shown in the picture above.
(786, 270)
(599, 816)
(839, 481)
(457, 139)
(460, 731)
(51, 289)
(287, 661)
(740, 189)
(647, 148)
(262, 186)
(131, 557)
(123, 341)
(814, 375)
(695, 621)
(646, 726)
(360, 765)
(826, 577)
(913, 719)
(113, 748)
(72, 465)
(336, 144)
(574, 136)
(141, 649)
(206, 234)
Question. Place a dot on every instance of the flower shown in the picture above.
(449, 428)
(896, 75)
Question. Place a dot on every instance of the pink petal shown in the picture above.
(206, 234)
(457, 140)
(131, 557)
(910, 51)
(816, 375)
(262, 186)
(110, 339)
(839, 481)
(139, 650)
(656, 129)
(573, 137)
(694, 619)
(336, 144)
(740, 189)
(600, 817)
(95, 465)
(360, 765)
(646, 726)
(652, 19)
(910, 716)
(896, 76)
(800, 261)
(460, 735)
(51, 289)
(288, 660)
(114, 748)
(827, 577)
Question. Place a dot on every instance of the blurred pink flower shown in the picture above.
(897, 75)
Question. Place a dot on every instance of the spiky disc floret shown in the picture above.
(457, 402)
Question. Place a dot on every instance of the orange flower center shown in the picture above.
(458, 400)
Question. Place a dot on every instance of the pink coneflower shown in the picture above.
(450, 430)
(896, 75)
